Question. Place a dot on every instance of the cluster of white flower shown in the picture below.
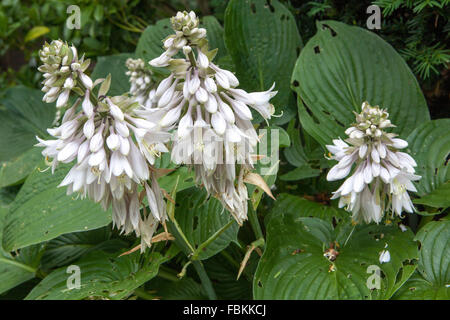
(187, 34)
(140, 80)
(382, 176)
(212, 117)
(62, 70)
(112, 147)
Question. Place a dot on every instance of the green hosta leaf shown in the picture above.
(264, 43)
(17, 269)
(214, 33)
(438, 198)
(199, 219)
(434, 255)
(293, 265)
(281, 136)
(305, 208)
(296, 153)
(20, 268)
(342, 66)
(417, 288)
(300, 173)
(429, 145)
(185, 176)
(102, 276)
(150, 43)
(23, 117)
(41, 211)
(114, 65)
(304, 153)
(70, 247)
(16, 170)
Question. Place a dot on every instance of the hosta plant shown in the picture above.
(225, 162)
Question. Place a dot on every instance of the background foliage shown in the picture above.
(325, 63)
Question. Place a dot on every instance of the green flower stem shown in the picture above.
(254, 222)
(202, 246)
(167, 274)
(141, 293)
(206, 282)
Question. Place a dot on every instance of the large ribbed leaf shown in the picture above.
(102, 276)
(114, 65)
(16, 170)
(438, 198)
(41, 211)
(70, 247)
(342, 66)
(200, 218)
(433, 277)
(434, 255)
(17, 269)
(305, 208)
(293, 265)
(263, 41)
(304, 153)
(417, 288)
(429, 145)
(23, 116)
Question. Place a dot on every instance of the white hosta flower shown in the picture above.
(385, 256)
(187, 32)
(140, 81)
(211, 115)
(110, 161)
(62, 71)
(382, 175)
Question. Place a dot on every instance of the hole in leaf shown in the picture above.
(295, 83)
(311, 114)
(333, 33)
(316, 49)
(334, 222)
(259, 284)
(283, 16)
(269, 4)
(195, 223)
(339, 123)
(253, 7)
